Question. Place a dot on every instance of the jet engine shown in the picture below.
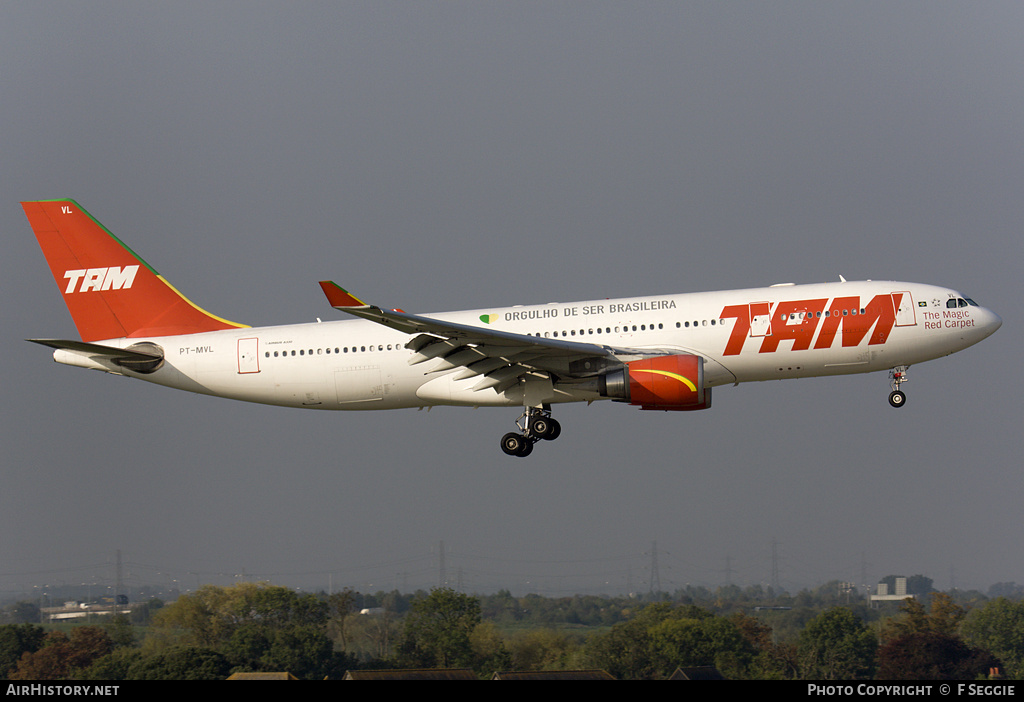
(673, 383)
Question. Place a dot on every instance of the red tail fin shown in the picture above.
(110, 292)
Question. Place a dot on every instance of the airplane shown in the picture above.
(657, 352)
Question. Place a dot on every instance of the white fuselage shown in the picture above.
(786, 331)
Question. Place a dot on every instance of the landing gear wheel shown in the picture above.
(545, 428)
(897, 398)
(897, 376)
(516, 445)
(534, 425)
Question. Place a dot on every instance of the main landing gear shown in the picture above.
(897, 376)
(534, 425)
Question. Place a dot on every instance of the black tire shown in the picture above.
(897, 398)
(516, 445)
(554, 430)
(511, 443)
(540, 427)
(545, 428)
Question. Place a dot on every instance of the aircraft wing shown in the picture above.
(501, 358)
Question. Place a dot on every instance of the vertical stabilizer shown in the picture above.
(110, 291)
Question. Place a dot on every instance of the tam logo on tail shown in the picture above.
(98, 279)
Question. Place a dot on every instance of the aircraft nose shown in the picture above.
(997, 321)
(991, 322)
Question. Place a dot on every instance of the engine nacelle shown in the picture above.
(673, 383)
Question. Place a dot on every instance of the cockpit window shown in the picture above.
(971, 302)
(959, 302)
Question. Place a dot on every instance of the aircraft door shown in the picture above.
(760, 319)
(248, 356)
(903, 303)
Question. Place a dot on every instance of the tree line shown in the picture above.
(827, 634)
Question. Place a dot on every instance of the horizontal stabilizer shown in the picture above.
(141, 358)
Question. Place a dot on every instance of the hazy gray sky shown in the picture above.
(449, 155)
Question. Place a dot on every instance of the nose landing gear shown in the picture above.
(535, 424)
(897, 376)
